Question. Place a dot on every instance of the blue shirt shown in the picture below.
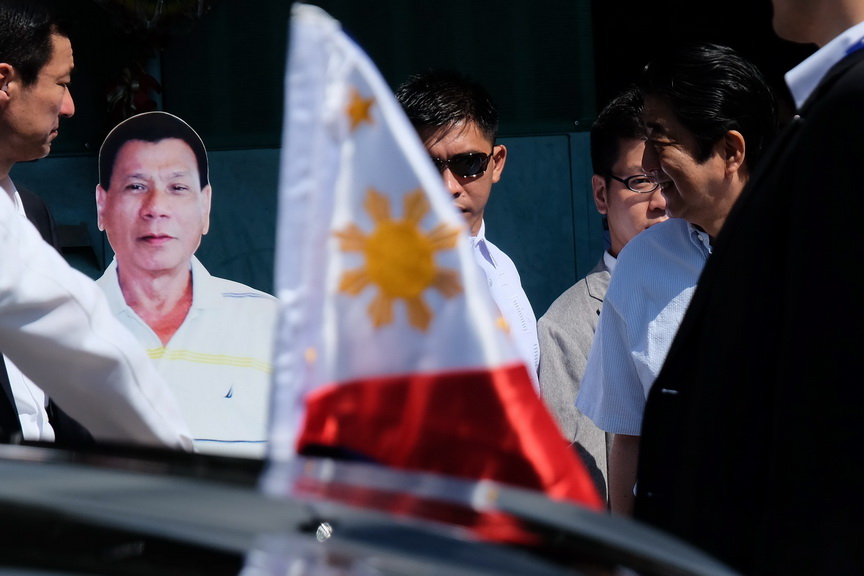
(654, 279)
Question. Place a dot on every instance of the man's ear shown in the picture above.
(601, 198)
(100, 205)
(206, 194)
(734, 149)
(6, 74)
(499, 157)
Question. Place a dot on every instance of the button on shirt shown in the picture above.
(506, 288)
(654, 280)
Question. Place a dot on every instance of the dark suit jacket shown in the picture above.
(68, 432)
(752, 442)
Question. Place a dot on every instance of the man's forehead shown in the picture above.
(462, 130)
(62, 58)
(173, 153)
(126, 147)
(657, 115)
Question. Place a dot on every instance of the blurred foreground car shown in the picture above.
(140, 512)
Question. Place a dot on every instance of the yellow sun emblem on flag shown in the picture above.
(400, 259)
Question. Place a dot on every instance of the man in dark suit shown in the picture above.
(752, 437)
(67, 431)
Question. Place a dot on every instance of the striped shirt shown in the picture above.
(218, 363)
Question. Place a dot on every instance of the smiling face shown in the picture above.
(694, 190)
(31, 114)
(627, 212)
(154, 211)
(470, 194)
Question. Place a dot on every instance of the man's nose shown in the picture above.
(67, 108)
(155, 204)
(451, 182)
(657, 201)
(650, 159)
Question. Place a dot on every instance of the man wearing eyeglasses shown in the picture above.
(701, 104)
(631, 201)
(457, 121)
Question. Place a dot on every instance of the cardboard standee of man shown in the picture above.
(211, 338)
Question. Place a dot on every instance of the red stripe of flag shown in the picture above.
(475, 424)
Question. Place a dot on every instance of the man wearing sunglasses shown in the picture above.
(701, 105)
(630, 201)
(458, 122)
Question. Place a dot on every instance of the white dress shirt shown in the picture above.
(506, 288)
(30, 400)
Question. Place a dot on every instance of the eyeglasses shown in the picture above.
(468, 165)
(641, 183)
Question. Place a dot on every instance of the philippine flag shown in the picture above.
(390, 349)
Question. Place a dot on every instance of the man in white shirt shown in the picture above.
(457, 121)
(709, 115)
(56, 331)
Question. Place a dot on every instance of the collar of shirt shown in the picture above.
(203, 293)
(479, 244)
(700, 238)
(804, 78)
(609, 261)
(19, 204)
(7, 186)
(202, 296)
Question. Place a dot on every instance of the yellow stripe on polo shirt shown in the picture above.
(213, 359)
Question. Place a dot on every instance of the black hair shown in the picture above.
(444, 98)
(26, 27)
(712, 90)
(150, 127)
(620, 119)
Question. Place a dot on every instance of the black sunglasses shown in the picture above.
(468, 165)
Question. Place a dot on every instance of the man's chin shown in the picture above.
(37, 155)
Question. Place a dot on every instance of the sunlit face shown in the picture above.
(470, 194)
(691, 188)
(627, 212)
(155, 211)
(31, 116)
